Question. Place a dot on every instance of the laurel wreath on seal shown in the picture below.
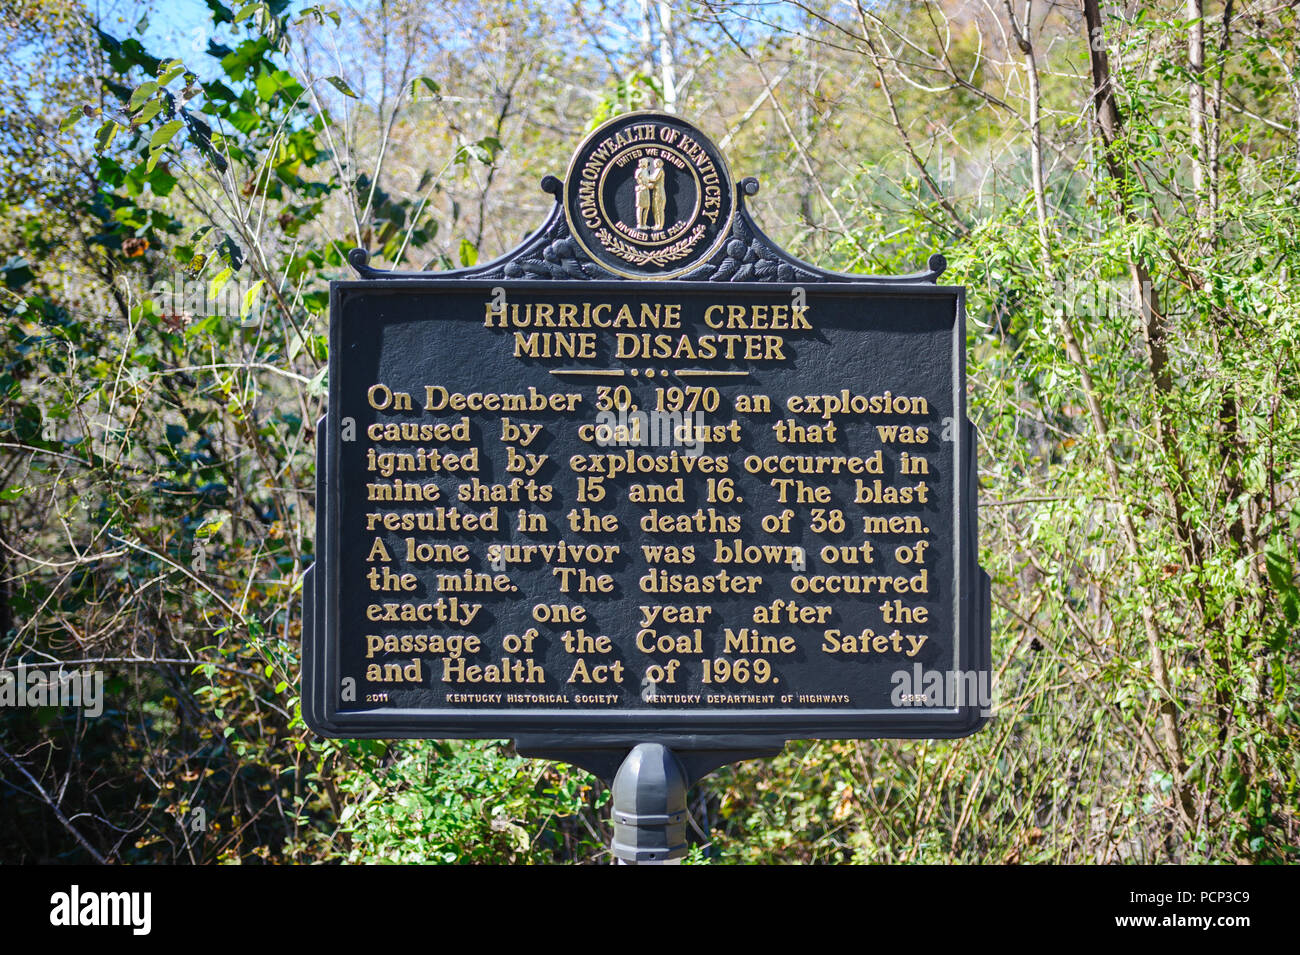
(678, 250)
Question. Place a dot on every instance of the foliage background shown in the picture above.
(1117, 188)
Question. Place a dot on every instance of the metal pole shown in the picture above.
(650, 807)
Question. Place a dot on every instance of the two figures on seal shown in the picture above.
(650, 196)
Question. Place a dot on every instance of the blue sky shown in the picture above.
(175, 28)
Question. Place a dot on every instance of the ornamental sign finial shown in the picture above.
(648, 196)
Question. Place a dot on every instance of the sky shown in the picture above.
(172, 27)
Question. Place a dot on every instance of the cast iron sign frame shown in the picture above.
(743, 260)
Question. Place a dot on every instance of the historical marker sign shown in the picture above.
(646, 478)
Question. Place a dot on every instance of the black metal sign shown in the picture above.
(646, 478)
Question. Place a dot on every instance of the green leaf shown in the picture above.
(210, 526)
(169, 71)
(341, 86)
(151, 109)
(267, 86)
(142, 93)
(250, 297)
(488, 147)
(1236, 795)
(218, 282)
(425, 82)
(71, 119)
(231, 253)
(163, 135)
(319, 14)
(296, 343)
(161, 181)
(468, 253)
(1277, 560)
(105, 135)
(9, 493)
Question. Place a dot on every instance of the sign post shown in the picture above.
(646, 479)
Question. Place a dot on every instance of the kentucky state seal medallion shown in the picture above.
(648, 196)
